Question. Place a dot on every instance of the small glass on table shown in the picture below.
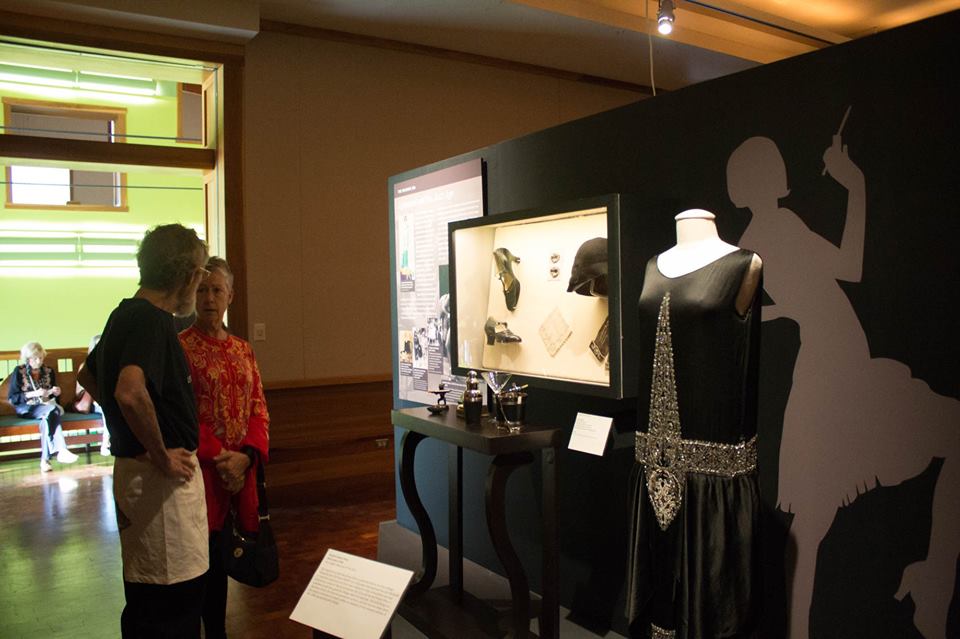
(513, 405)
(496, 382)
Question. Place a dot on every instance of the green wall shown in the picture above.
(64, 309)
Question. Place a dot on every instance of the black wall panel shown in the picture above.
(670, 153)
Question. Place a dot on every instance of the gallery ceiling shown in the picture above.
(608, 38)
(605, 39)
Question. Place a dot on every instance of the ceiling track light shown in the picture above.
(665, 17)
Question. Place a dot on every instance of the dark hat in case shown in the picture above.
(590, 264)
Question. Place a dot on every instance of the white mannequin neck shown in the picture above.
(692, 229)
(698, 244)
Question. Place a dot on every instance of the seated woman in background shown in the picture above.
(234, 426)
(33, 393)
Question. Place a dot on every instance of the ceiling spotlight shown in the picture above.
(665, 17)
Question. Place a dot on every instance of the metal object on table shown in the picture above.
(472, 399)
(441, 405)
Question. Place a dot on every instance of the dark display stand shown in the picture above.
(450, 611)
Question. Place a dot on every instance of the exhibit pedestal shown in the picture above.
(450, 611)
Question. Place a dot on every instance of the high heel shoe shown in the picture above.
(501, 336)
(511, 285)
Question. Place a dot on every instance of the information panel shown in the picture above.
(422, 208)
(351, 597)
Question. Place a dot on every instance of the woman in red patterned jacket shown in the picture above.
(234, 426)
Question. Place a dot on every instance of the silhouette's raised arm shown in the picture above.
(849, 265)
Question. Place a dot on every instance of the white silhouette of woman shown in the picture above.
(850, 418)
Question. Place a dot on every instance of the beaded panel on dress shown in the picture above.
(664, 477)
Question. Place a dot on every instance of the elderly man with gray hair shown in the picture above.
(139, 375)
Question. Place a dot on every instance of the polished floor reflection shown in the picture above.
(60, 555)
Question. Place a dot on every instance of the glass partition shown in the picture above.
(128, 142)
(81, 93)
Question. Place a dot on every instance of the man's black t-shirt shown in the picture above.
(141, 334)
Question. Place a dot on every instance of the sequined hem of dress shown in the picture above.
(656, 632)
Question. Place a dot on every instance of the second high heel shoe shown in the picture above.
(511, 285)
(496, 334)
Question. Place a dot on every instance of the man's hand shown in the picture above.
(138, 410)
(176, 464)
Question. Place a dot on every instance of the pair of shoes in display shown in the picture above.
(66, 457)
(45, 466)
(497, 334)
(511, 285)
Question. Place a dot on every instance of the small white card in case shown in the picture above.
(554, 331)
(351, 597)
(590, 433)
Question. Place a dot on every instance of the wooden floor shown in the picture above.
(60, 555)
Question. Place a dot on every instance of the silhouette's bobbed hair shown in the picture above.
(755, 171)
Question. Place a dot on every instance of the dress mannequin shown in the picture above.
(699, 244)
(694, 551)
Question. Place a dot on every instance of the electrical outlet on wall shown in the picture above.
(259, 332)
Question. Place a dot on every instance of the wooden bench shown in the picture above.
(21, 437)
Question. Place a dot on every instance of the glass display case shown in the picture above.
(536, 294)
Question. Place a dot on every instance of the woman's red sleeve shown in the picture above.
(258, 426)
(209, 446)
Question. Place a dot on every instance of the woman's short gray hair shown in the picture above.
(216, 263)
(32, 349)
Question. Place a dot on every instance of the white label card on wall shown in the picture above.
(351, 597)
(590, 433)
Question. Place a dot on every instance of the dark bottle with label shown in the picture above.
(472, 399)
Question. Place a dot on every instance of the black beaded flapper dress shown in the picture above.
(693, 571)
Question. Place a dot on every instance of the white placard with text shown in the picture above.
(590, 433)
(351, 597)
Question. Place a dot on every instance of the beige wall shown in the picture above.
(325, 125)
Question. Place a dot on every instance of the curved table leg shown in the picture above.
(408, 486)
(500, 469)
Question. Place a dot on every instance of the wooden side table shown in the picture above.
(451, 610)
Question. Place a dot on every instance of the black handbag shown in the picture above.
(251, 558)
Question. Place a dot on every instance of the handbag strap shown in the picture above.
(261, 493)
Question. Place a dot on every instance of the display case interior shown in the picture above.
(536, 294)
